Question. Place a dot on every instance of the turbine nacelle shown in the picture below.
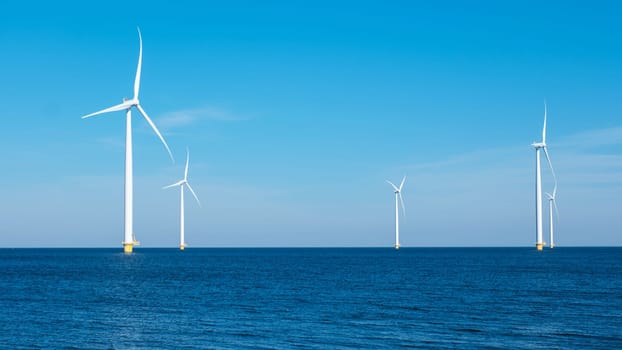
(131, 101)
(397, 189)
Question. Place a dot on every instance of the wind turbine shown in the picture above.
(398, 193)
(181, 184)
(538, 146)
(552, 203)
(129, 239)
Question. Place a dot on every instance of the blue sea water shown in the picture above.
(355, 298)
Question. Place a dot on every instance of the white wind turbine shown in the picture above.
(538, 146)
(398, 193)
(129, 240)
(181, 184)
(552, 203)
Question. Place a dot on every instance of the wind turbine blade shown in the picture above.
(544, 127)
(140, 62)
(173, 185)
(391, 183)
(119, 107)
(556, 210)
(546, 153)
(187, 160)
(194, 194)
(402, 202)
(155, 129)
(402, 184)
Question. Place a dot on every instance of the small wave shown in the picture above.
(587, 336)
(468, 330)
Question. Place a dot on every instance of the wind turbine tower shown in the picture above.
(181, 183)
(129, 240)
(398, 193)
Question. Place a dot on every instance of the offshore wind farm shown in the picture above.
(300, 116)
(200, 92)
(129, 237)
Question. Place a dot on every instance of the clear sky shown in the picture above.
(295, 114)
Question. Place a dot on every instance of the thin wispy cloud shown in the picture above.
(579, 145)
(113, 142)
(578, 160)
(491, 155)
(185, 117)
(593, 138)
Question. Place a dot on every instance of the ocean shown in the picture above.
(311, 298)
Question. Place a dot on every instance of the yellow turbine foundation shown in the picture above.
(539, 246)
(128, 248)
(397, 247)
(182, 247)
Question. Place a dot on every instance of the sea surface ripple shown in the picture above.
(311, 298)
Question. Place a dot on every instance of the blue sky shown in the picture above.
(295, 113)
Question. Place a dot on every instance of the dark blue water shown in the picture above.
(471, 298)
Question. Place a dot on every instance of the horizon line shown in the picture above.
(321, 247)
